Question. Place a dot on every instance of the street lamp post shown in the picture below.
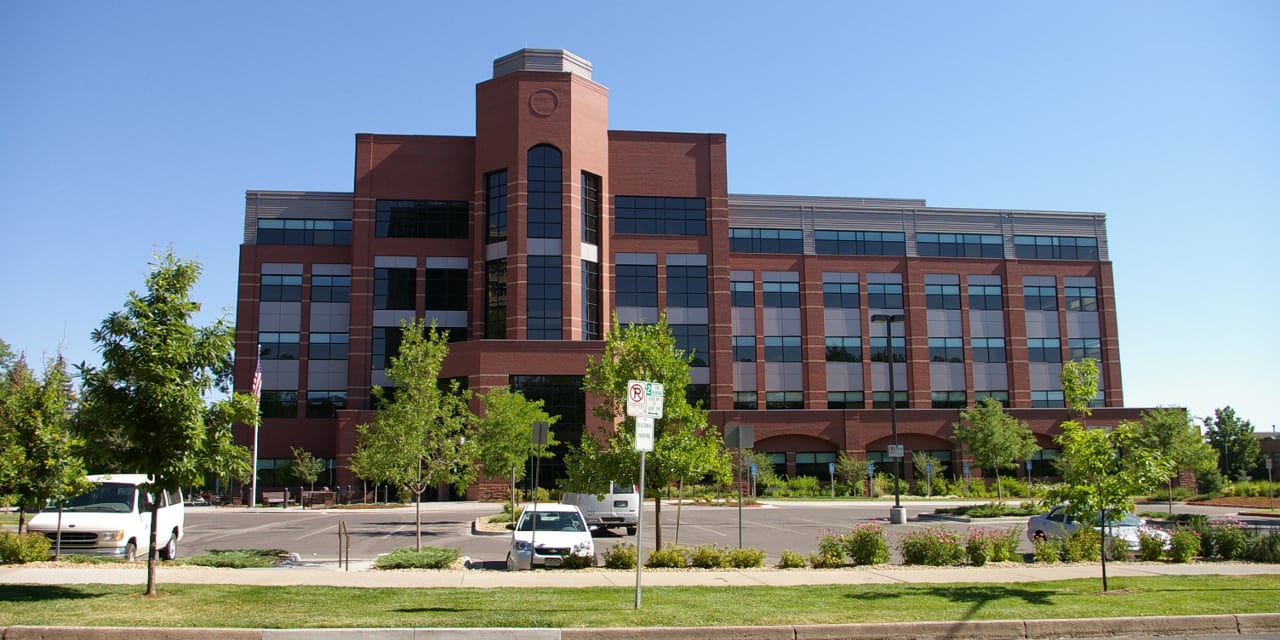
(897, 514)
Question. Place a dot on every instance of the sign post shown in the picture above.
(871, 479)
(739, 437)
(831, 471)
(644, 403)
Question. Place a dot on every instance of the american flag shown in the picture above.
(256, 388)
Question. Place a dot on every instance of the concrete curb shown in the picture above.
(1219, 625)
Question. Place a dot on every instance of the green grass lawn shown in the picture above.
(191, 605)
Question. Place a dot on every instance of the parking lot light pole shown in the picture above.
(897, 514)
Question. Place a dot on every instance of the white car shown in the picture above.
(548, 533)
(618, 508)
(114, 518)
(1058, 524)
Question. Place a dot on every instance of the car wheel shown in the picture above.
(511, 563)
(170, 550)
(631, 531)
(131, 551)
(1039, 536)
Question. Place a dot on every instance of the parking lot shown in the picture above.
(772, 526)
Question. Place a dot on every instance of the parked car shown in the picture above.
(1058, 523)
(114, 518)
(619, 507)
(546, 534)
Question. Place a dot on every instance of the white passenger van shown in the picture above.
(616, 509)
(114, 518)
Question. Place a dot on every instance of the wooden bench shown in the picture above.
(275, 497)
(325, 499)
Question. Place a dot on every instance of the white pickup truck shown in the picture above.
(618, 508)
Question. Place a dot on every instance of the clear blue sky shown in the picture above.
(129, 127)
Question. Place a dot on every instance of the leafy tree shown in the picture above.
(765, 475)
(143, 410)
(929, 467)
(424, 435)
(684, 445)
(1233, 439)
(995, 439)
(306, 467)
(1080, 385)
(505, 434)
(1171, 431)
(1104, 469)
(38, 462)
(851, 470)
(7, 357)
(223, 458)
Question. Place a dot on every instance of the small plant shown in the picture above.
(791, 560)
(1004, 544)
(1230, 537)
(1083, 544)
(708, 556)
(820, 560)
(1048, 551)
(1264, 549)
(236, 558)
(977, 547)
(83, 558)
(23, 548)
(574, 561)
(745, 558)
(621, 556)
(670, 556)
(865, 544)
(428, 558)
(1184, 545)
(1118, 549)
(935, 547)
(1150, 546)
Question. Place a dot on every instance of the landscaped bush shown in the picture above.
(791, 560)
(428, 558)
(1013, 487)
(708, 556)
(1049, 551)
(671, 556)
(977, 547)
(804, 486)
(23, 548)
(1004, 544)
(84, 558)
(820, 560)
(1264, 549)
(621, 556)
(1210, 483)
(1226, 538)
(1150, 546)
(865, 544)
(995, 510)
(939, 487)
(830, 553)
(934, 547)
(745, 558)
(1118, 549)
(573, 561)
(884, 484)
(236, 558)
(1184, 545)
(1083, 544)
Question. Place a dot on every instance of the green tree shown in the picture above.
(306, 468)
(505, 435)
(929, 468)
(423, 436)
(765, 475)
(38, 460)
(1171, 431)
(1080, 385)
(223, 458)
(684, 445)
(851, 471)
(995, 439)
(143, 410)
(1232, 437)
(1104, 468)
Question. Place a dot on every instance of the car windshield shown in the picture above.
(552, 521)
(111, 497)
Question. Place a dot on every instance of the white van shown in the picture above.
(620, 507)
(114, 518)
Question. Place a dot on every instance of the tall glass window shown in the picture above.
(495, 299)
(590, 208)
(545, 187)
(860, 243)
(446, 289)
(744, 349)
(394, 288)
(544, 298)
(330, 288)
(590, 300)
(637, 285)
(495, 185)
(742, 293)
(421, 219)
(278, 288)
(694, 340)
(686, 286)
(1081, 298)
(659, 215)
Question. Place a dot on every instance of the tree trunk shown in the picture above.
(679, 508)
(152, 552)
(657, 523)
(511, 495)
(417, 516)
(1171, 496)
(22, 520)
(999, 489)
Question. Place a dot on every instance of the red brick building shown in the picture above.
(524, 239)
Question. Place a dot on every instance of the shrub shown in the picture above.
(746, 558)
(977, 547)
(1049, 551)
(1013, 487)
(1210, 483)
(1004, 544)
(1230, 538)
(428, 558)
(708, 556)
(1184, 545)
(820, 560)
(573, 561)
(621, 556)
(671, 556)
(1150, 546)
(1084, 543)
(1264, 548)
(804, 486)
(1118, 549)
(791, 560)
(884, 483)
(865, 544)
(934, 547)
(23, 548)
(236, 558)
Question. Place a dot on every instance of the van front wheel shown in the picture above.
(631, 531)
(131, 551)
(170, 550)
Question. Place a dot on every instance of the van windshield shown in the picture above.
(108, 497)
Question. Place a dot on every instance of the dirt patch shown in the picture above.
(1252, 502)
